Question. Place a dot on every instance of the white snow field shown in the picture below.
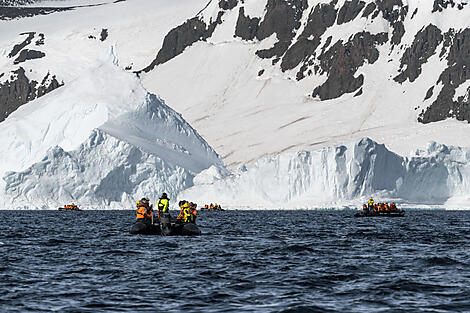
(106, 138)
(102, 140)
(342, 176)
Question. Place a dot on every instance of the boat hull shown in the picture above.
(175, 229)
(388, 214)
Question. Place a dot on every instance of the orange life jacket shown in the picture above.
(143, 213)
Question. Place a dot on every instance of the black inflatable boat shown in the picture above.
(399, 213)
(165, 229)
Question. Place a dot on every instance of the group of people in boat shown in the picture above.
(372, 207)
(72, 207)
(145, 212)
(212, 207)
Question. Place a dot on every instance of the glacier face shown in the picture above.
(342, 175)
(101, 141)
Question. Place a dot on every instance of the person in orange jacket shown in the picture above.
(144, 210)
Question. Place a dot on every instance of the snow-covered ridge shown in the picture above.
(343, 175)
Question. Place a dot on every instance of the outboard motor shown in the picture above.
(165, 224)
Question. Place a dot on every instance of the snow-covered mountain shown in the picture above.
(256, 78)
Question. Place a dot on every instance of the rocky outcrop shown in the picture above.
(227, 4)
(104, 34)
(341, 62)
(290, 12)
(246, 27)
(18, 47)
(8, 13)
(27, 54)
(19, 90)
(349, 11)
(320, 18)
(456, 73)
(423, 47)
(440, 5)
(394, 11)
(181, 37)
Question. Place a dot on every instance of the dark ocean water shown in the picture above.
(262, 261)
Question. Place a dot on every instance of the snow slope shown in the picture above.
(342, 175)
(100, 140)
(245, 115)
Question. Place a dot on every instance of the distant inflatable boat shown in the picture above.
(399, 213)
(69, 207)
(172, 229)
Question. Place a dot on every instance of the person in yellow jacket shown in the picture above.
(370, 203)
(185, 214)
(163, 204)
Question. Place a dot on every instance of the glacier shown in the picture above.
(101, 141)
(342, 176)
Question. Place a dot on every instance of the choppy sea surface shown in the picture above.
(256, 261)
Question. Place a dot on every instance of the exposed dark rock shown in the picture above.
(104, 34)
(290, 13)
(440, 5)
(429, 93)
(91, 37)
(8, 13)
(17, 48)
(414, 13)
(246, 27)
(456, 73)
(423, 47)
(12, 12)
(19, 90)
(349, 11)
(448, 37)
(261, 72)
(394, 11)
(369, 9)
(398, 32)
(341, 62)
(40, 41)
(227, 4)
(27, 54)
(320, 18)
(183, 36)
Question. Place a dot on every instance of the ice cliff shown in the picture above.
(342, 176)
(102, 140)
